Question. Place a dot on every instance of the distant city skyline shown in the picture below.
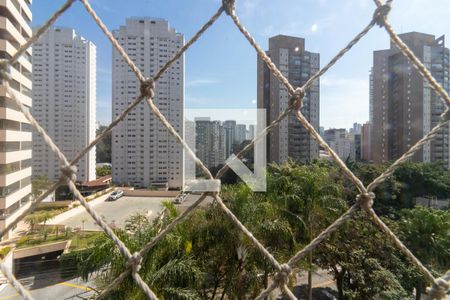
(211, 69)
(241, 116)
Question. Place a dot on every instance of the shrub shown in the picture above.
(4, 251)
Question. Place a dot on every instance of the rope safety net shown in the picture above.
(364, 201)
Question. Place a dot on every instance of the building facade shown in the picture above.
(289, 138)
(342, 142)
(15, 130)
(250, 132)
(144, 154)
(404, 106)
(241, 134)
(229, 128)
(366, 148)
(210, 141)
(64, 96)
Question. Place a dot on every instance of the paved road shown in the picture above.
(63, 290)
(116, 211)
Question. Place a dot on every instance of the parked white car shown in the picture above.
(115, 195)
(180, 198)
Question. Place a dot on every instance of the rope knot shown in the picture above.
(229, 6)
(365, 200)
(439, 289)
(148, 88)
(69, 172)
(282, 276)
(296, 100)
(380, 14)
(135, 262)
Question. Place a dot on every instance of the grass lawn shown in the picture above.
(80, 240)
(84, 240)
(52, 211)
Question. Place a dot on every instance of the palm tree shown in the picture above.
(206, 256)
(310, 198)
(43, 218)
(168, 268)
(32, 220)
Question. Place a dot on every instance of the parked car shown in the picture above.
(115, 195)
(180, 198)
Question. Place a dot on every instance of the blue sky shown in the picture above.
(221, 67)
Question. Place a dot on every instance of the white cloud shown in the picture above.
(343, 101)
(201, 82)
(248, 8)
(343, 82)
(314, 28)
(194, 101)
(103, 6)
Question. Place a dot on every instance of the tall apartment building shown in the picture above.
(15, 130)
(289, 138)
(210, 142)
(241, 132)
(64, 96)
(229, 127)
(143, 152)
(404, 106)
(250, 132)
(366, 148)
(342, 142)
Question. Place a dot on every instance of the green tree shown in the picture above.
(43, 217)
(169, 268)
(364, 263)
(32, 220)
(264, 219)
(309, 197)
(103, 147)
(426, 232)
(103, 171)
(423, 180)
(40, 184)
(409, 181)
(386, 194)
(207, 257)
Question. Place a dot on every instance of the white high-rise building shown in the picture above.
(210, 141)
(240, 135)
(229, 127)
(64, 96)
(342, 142)
(250, 132)
(143, 151)
(15, 130)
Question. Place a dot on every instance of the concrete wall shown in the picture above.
(41, 249)
(433, 203)
(100, 193)
(55, 204)
(8, 263)
(150, 193)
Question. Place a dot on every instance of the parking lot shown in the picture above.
(116, 212)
